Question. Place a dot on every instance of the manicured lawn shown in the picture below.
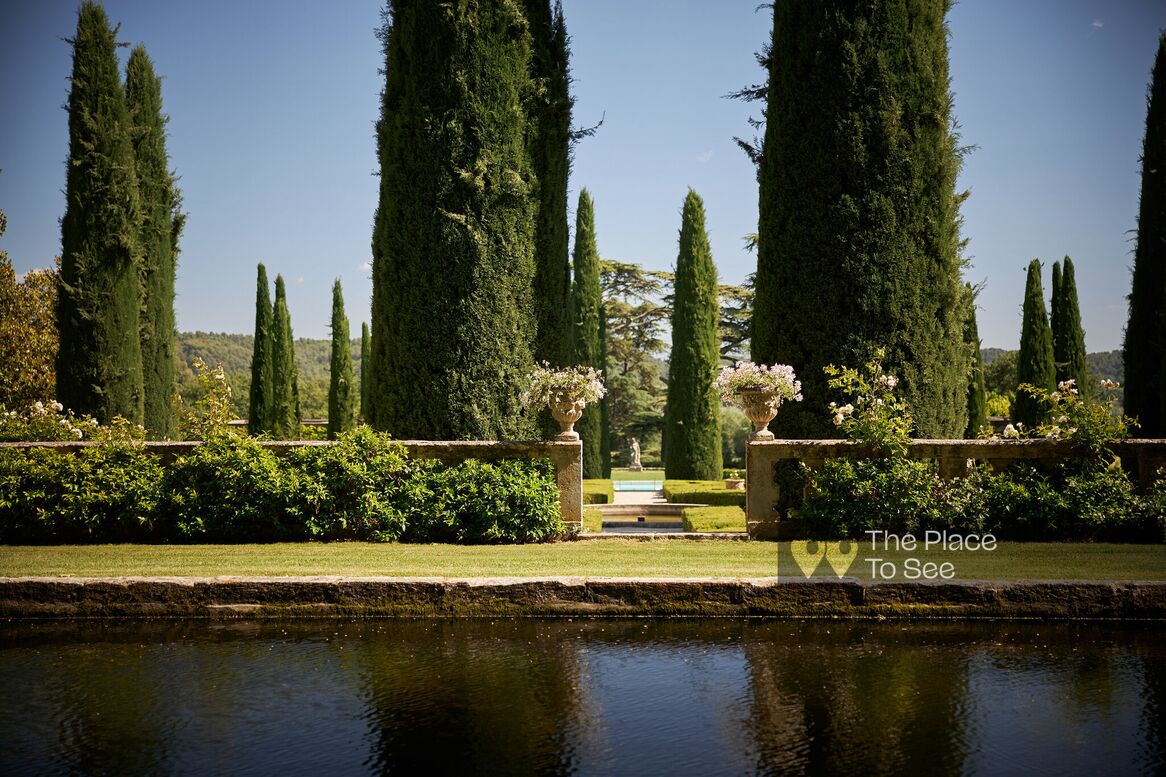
(713, 519)
(646, 474)
(615, 558)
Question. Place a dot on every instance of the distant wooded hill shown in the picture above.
(1105, 365)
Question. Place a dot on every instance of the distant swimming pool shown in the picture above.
(637, 485)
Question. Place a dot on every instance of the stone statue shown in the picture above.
(635, 446)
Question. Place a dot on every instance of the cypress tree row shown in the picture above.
(365, 355)
(1144, 349)
(161, 226)
(261, 407)
(341, 392)
(453, 238)
(604, 409)
(587, 296)
(1056, 316)
(285, 400)
(1069, 356)
(1034, 364)
(550, 129)
(977, 399)
(99, 364)
(858, 231)
(692, 415)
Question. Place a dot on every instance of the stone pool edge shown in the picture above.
(289, 597)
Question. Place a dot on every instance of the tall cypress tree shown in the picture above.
(99, 364)
(260, 408)
(1069, 355)
(692, 415)
(604, 409)
(977, 399)
(858, 231)
(162, 224)
(365, 355)
(453, 238)
(341, 391)
(285, 410)
(1144, 349)
(587, 295)
(1034, 364)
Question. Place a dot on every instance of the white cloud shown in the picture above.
(300, 279)
(1097, 24)
(704, 157)
(366, 266)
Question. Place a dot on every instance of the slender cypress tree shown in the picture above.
(285, 410)
(692, 416)
(341, 391)
(453, 238)
(1144, 349)
(1068, 337)
(162, 224)
(260, 408)
(604, 409)
(1034, 364)
(858, 231)
(977, 399)
(99, 364)
(550, 132)
(365, 355)
(587, 296)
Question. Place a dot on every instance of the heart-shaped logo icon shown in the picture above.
(807, 561)
(840, 562)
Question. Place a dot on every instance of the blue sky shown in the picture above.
(272, 108)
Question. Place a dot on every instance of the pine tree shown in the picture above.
(99, 364)
(1144, 349)
(162, 224)
(1069, 355)
(1034, 365)
(453, 237)
(587, 296)
(285, 410)
(341, 391)
(692, 416)
(858, 231)
(365, 355)
(261, 407)
(604, 408)
(977, 399)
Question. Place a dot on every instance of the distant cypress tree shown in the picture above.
(858, 230)
(365, 355)
(341, 391)
(1034, 365)
(285, 410)
(1144, 349)
(604, 409)
(1068, 337)
(99, 364)
(587, 296)
(454, 233)
(977, 399)
(260, 408)
(692, 415)
(162, 224)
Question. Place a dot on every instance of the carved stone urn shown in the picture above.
(567, 410)
(760, 406)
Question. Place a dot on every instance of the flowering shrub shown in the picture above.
(207, 416)
(875, 415)
(778, 380)
(44, 423)
(547, 385)
(1089, 423)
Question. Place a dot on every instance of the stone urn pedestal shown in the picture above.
(567, 411)
(760, 408)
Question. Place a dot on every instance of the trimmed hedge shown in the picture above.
(713, 519)
(707, 492)
(598, 491)
(231, 489)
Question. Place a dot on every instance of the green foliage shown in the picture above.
(342, 388)
(875, 415)
(1000, 372)
(99, 364)
(1089, 423)
(260, 410)
(997, 405)
(453, 319)
(285, 400)
(1145, 333)
(206, 417)
(692, 416)
(365, 350)
(735, 431)
(858, 232)
(162, 223)
(713, 519)
(598, 491)
(1069, 357)
(604, 404)
(1034, 364)
(28, 333)
(706, 492)
(586, 297)
(977, 400)
(852, 496)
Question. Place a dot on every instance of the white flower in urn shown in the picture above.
(759, 390)
(566, 391)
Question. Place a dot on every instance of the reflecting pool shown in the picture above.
(582, 697)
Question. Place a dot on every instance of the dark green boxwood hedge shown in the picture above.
(231, 489)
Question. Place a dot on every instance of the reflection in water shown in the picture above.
(582, 697)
